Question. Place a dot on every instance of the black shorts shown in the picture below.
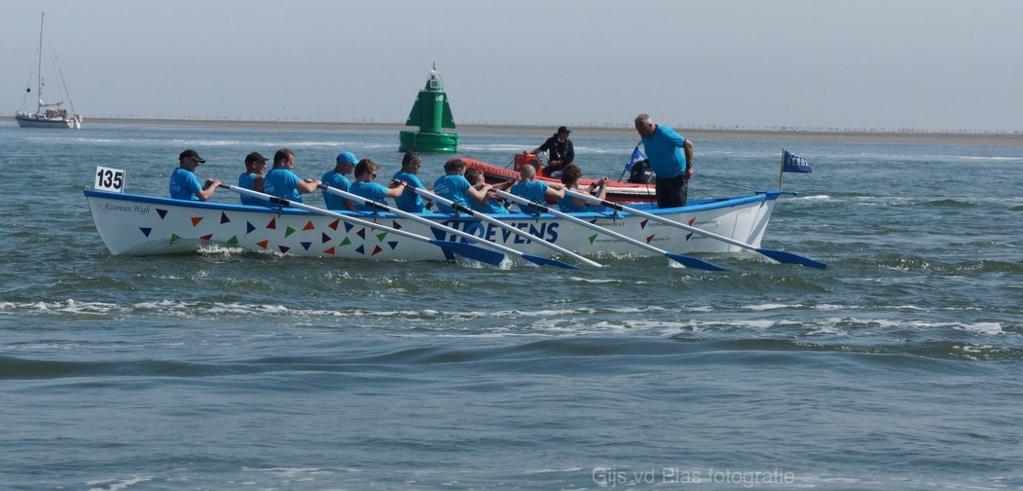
(671, 191)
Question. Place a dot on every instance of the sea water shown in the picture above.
(899, 366)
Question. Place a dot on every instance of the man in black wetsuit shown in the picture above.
(560, 152)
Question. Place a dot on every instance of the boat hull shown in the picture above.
(144, 225)
(42, 122)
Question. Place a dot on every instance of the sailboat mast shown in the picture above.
(39, 68)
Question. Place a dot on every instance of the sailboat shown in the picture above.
(52, 115)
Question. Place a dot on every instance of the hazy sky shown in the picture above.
(922, 64)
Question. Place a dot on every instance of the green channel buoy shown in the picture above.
(432, 114)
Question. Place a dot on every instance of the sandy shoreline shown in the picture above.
(1011, 139)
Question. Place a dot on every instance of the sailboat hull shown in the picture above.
(33, 121)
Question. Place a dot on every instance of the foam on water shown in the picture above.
(196, 309)
(116, 484)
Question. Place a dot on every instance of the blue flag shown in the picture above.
(637, 155)
(793, 163)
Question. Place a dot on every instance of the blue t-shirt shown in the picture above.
(489, 206)
(282, 183)
(184, 185)
(531, 190)
(453, 187)
(246, 180)
(338, 180)
(568, 204)
(409, 200)
(368, 190)
(664, 149)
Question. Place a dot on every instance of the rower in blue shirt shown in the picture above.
(365, 172)
(536, 191)
(453, 186)
(252, 178)
(489, 204)
(410, 200)
(183, 182)
(570, 176)
(283, 183)
(345, 162)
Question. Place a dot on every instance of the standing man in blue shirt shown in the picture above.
(183, 182)
(671, 157)
(283, 183)
(336, 179)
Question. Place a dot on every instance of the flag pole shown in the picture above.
(781, 168)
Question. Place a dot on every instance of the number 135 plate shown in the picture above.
(108, 179)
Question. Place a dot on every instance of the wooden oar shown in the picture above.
(780, 256)
(684, 260)
(468, 251)
(489, 219)
(544, 261)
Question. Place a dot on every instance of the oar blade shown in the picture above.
(546, 261)
(692, 262)
(790, 258)
(470, 251)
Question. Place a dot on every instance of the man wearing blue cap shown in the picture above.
(336, 179)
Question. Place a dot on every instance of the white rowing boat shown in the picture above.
(147, 225)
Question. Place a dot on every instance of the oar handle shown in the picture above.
(256, 194)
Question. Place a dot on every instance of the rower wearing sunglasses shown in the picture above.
(365, 173)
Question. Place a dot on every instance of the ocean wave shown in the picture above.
(771, 306)
(99, 140)
(815, 197)
(949, 203)
(116, 484)
(205, 309)
(575, 320)
(522, 355)
(922, 264)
